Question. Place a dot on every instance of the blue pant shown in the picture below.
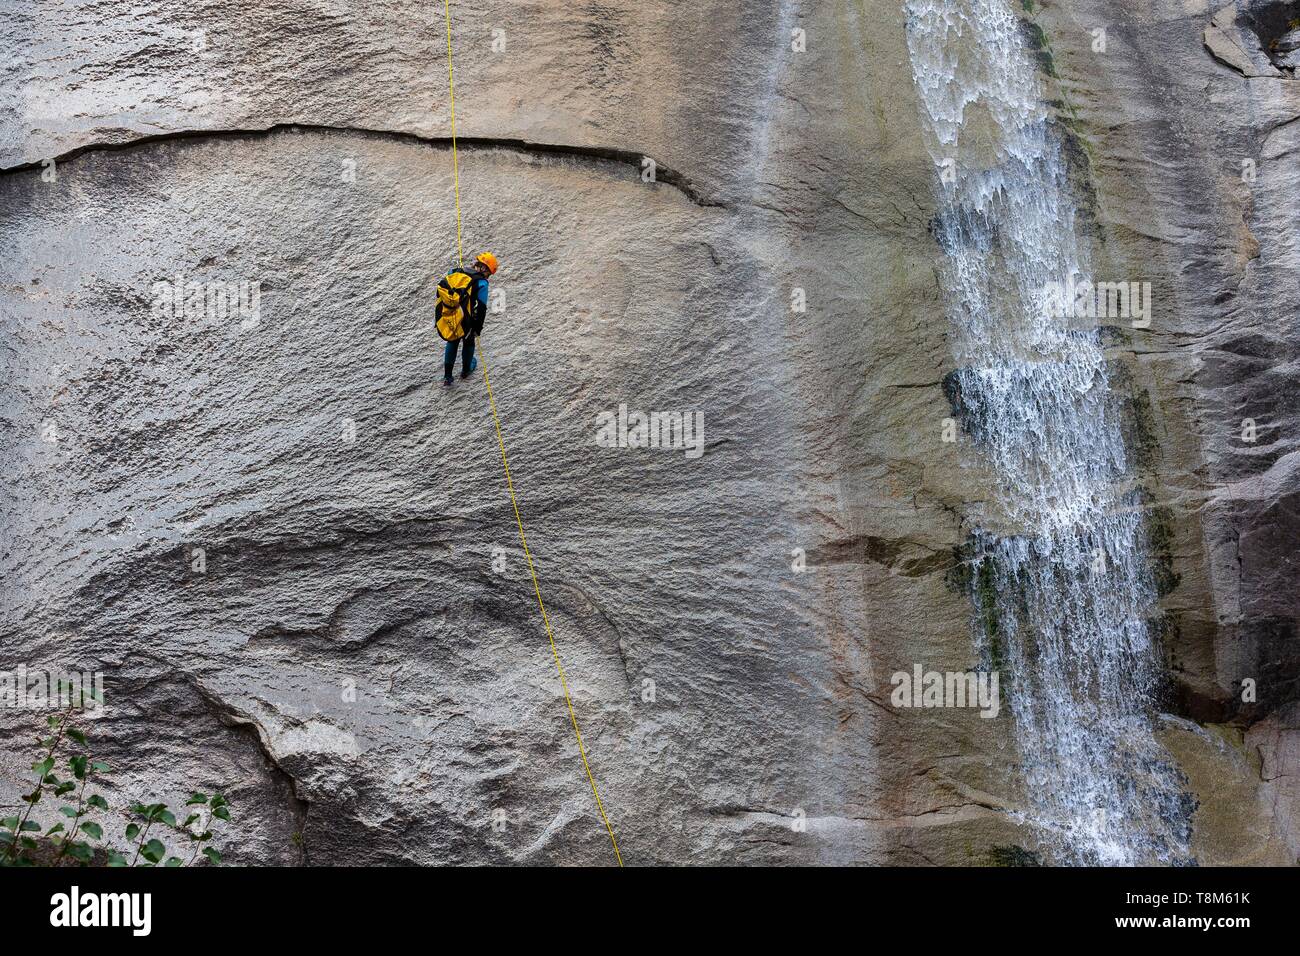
(467, 363)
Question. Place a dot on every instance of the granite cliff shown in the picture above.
(293, 555)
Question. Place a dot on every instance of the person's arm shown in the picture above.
(480, 306)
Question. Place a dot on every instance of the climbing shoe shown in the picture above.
(467, 372)
(447, 381)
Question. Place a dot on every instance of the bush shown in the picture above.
(78, 838)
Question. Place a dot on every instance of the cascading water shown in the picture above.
(1063, 582)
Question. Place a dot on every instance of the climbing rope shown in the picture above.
(505, 464)
(455, 160)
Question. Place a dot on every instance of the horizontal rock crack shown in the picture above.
(665, 175)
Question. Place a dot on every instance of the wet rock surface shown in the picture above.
(359, 663)
(1193, 156)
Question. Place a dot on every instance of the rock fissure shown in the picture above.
(665, 175)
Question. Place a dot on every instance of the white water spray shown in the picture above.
(1064, 585)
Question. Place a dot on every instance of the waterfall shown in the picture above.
(1062, 578)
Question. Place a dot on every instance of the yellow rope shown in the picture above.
(455, 161)
(582, 750)
(505, 464)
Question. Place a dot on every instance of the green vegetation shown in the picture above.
(986, 607)
(1041, 45)
(973, 574)
(1146, 444)
(1160, 537)
(1012, 855)
(77, 838)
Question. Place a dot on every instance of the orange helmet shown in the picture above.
(488, 260)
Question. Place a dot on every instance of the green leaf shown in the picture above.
(69, 812)
(174, 861)
(218, 800)
(42, 767)
(27, 843)
(52, 720)
(57, 828)
(196, 798)
(79, 765)
(33, 797)
(9, 823)
(116, 859)
(80, 851)
(153, 851)
(212, 854)
(94, 830)
(63, 788)
(221, 813)
(30, 825)
(77, 735)
(167, 817)
(99, 766)
(132, 831)
(95, 800)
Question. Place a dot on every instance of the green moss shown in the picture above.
(986, 609)
(1080, 159)
(1165, 631)
(1146, 447)
(1160, 537)
(973, 574)
(1079, 150)
(1115, 336)
(1143, 444)
(1136, 409)
(1034, 35)
(1011, 855)
(959, 576)
(1041, 47)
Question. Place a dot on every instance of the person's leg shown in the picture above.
(449, 360)
(467, 363)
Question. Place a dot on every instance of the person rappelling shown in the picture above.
(460, 311)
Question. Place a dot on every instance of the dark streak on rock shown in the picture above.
(610, 154)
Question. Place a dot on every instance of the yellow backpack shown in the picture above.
(455, 299)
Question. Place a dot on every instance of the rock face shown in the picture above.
(293, 555)
(1197, 188)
